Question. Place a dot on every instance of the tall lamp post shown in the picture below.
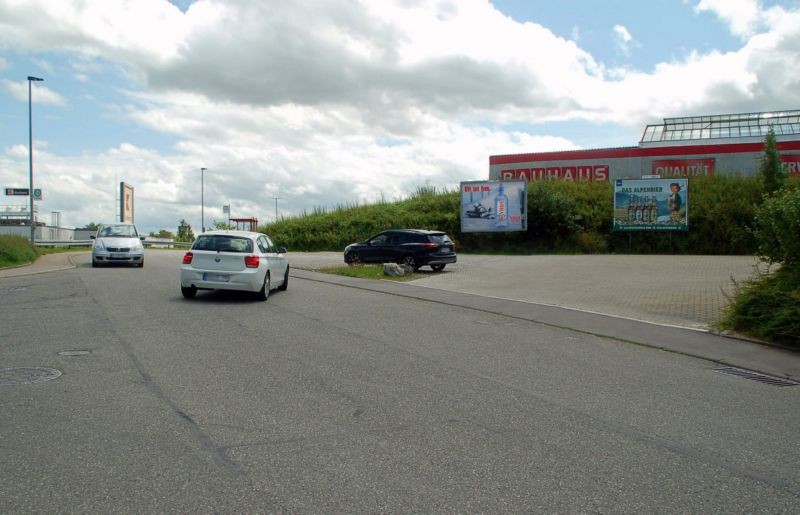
(276, 207)
(202, 201)
(30, 151)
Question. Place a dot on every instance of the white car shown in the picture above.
(117, 243)
(234, 260)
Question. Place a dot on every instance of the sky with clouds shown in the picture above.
(336, 102)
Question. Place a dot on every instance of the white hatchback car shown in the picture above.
(117, 243)
(234, 260)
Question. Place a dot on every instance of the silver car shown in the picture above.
(234, 260)
(117, 243)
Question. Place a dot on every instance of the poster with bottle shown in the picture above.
(651, 205)
(494, 206)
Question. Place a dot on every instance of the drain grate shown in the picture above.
(755, 376)
(30, 375)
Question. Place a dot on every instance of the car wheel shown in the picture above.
(351, 258)
(95, 264)
(263, 293)
(437, 268)
(285, 284)
(409, 260)
(188, 293)
(141, 263)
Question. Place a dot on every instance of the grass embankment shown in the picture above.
(563, 217)
(16, 250)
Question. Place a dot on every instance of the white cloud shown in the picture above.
(623, 39)
(39, 94)
(742, 16)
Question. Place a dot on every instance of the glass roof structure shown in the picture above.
(746, 125)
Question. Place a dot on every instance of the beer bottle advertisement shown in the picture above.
(651, 205)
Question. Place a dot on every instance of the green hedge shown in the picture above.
(562, 217)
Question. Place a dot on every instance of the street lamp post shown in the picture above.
(30, 151)
(202, 201)
(276, 207)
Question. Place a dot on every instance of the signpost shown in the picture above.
(18, 191)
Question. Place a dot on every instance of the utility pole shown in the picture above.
(202, 201)
(276, 207)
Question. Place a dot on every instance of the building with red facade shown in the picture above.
(724, 145)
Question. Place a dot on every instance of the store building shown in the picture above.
(720, 145)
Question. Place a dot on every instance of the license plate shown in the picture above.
(220, 278)
(118, 255)
(444, 250)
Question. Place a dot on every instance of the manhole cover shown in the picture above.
(74, 353)
(30, 375)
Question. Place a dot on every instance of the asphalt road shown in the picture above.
(335, 399)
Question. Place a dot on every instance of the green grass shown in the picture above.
(367, 272)
(15, 250)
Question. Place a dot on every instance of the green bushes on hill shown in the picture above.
(562, 217)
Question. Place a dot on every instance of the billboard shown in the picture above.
(651, 205)
(125, 203)
(494, 206)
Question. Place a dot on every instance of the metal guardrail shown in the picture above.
(88, 243)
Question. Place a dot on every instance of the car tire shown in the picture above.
(351, 258)
(263, 293)
(438, 268)
(95, 264)
(409, 260)
(285, 284)
(188, 293)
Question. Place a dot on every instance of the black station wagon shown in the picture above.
(412, 247)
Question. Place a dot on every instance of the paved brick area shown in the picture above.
(687, 291)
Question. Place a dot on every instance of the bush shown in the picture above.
(767, 307)
(777, 228)
(16, 250)
(562, 217)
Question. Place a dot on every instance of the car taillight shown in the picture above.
(187, 258)
(251, 261)
(430, 245)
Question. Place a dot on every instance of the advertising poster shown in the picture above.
(125, 203)
(494, 206)
(651, 205)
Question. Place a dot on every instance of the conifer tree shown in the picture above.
(770, 173)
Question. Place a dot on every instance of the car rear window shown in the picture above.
(441, 239)
(223, 243)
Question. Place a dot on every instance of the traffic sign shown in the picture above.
(18, 191)
(37, 193)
